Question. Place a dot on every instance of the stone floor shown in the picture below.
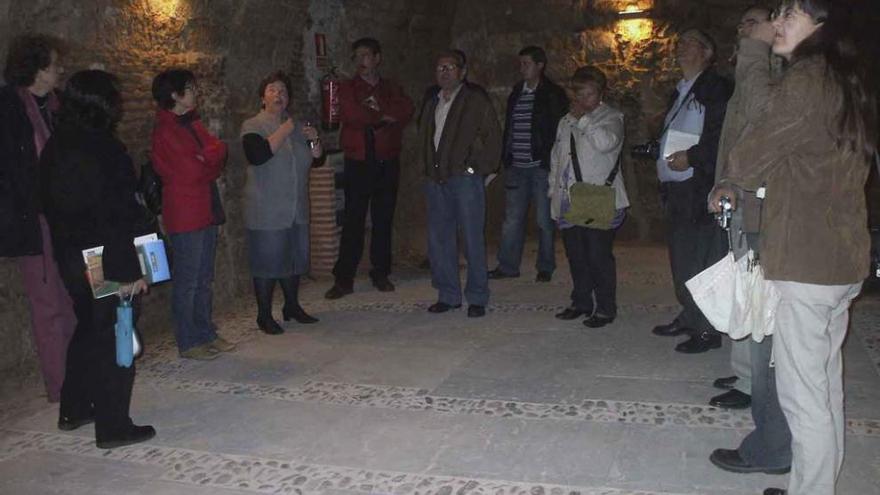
(382, 397)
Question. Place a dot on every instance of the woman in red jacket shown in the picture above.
(189, 160)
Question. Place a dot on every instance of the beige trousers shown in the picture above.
(811, 324)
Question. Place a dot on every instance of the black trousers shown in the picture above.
(370, 186)
(92, 377)
(593, 269)
(695, 242)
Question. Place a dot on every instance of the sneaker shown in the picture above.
(201, 353)
(222, 345)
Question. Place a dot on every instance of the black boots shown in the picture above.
(292, 309)
(263, 288)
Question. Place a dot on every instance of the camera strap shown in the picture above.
(684, 102)
(575, 163)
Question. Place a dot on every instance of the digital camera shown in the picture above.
(647, 151)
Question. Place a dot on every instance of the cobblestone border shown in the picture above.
(414, 399)
(161, 368)
(495, 307)
(277, 476)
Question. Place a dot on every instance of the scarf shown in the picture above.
(41, 128)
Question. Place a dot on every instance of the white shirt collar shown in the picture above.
(527, 89)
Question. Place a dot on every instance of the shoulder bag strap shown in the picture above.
(577, 166)
(613, 174)
(574, 159)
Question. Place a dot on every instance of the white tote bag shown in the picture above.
(735, 298)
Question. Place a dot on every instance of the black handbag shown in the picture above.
(150, 189)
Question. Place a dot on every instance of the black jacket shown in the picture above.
(551, 104)
(88, 186)
(712, 91)
(19, 203)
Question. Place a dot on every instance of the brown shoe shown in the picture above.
(222, 345)
(202, 352)
(338, 291)
(383, 284)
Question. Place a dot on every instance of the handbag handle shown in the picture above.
(577, 166)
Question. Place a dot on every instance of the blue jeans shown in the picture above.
(191, 296)
(459, 204)
(769, 444)
(522, 186)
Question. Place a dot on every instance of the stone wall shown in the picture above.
(636, 55)
(230, 45)
(410, 33)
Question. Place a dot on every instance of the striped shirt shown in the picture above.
(521, 144)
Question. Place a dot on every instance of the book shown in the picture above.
(95, 273)
(151, 256)
(678, 141)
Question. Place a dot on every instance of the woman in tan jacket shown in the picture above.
(812, 151)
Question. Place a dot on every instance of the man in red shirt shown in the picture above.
(374, 112)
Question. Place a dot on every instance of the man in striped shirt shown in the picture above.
(534, 108)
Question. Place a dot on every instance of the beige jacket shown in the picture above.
(599, 139)
(814, 220)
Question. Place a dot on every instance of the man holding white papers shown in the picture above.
(686, 170)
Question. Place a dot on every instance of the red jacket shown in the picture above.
(187, 168)
(356, 117)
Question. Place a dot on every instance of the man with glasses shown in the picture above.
(459, 144)
(687, 173)
(373, 113)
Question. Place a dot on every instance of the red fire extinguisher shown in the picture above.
(330, 101)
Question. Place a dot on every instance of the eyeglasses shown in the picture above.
(446, 68)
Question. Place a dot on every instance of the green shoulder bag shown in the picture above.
(592, 205)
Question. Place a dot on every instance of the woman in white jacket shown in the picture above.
(596, 131)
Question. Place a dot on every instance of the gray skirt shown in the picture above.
(278, 253)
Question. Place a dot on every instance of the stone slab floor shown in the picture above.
(382, 397)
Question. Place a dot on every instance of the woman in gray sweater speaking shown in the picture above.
(280, 151)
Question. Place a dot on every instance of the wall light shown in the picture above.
(165, 8)
(633, 11)
(635, 23)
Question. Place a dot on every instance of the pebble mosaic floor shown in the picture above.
(162, 370)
